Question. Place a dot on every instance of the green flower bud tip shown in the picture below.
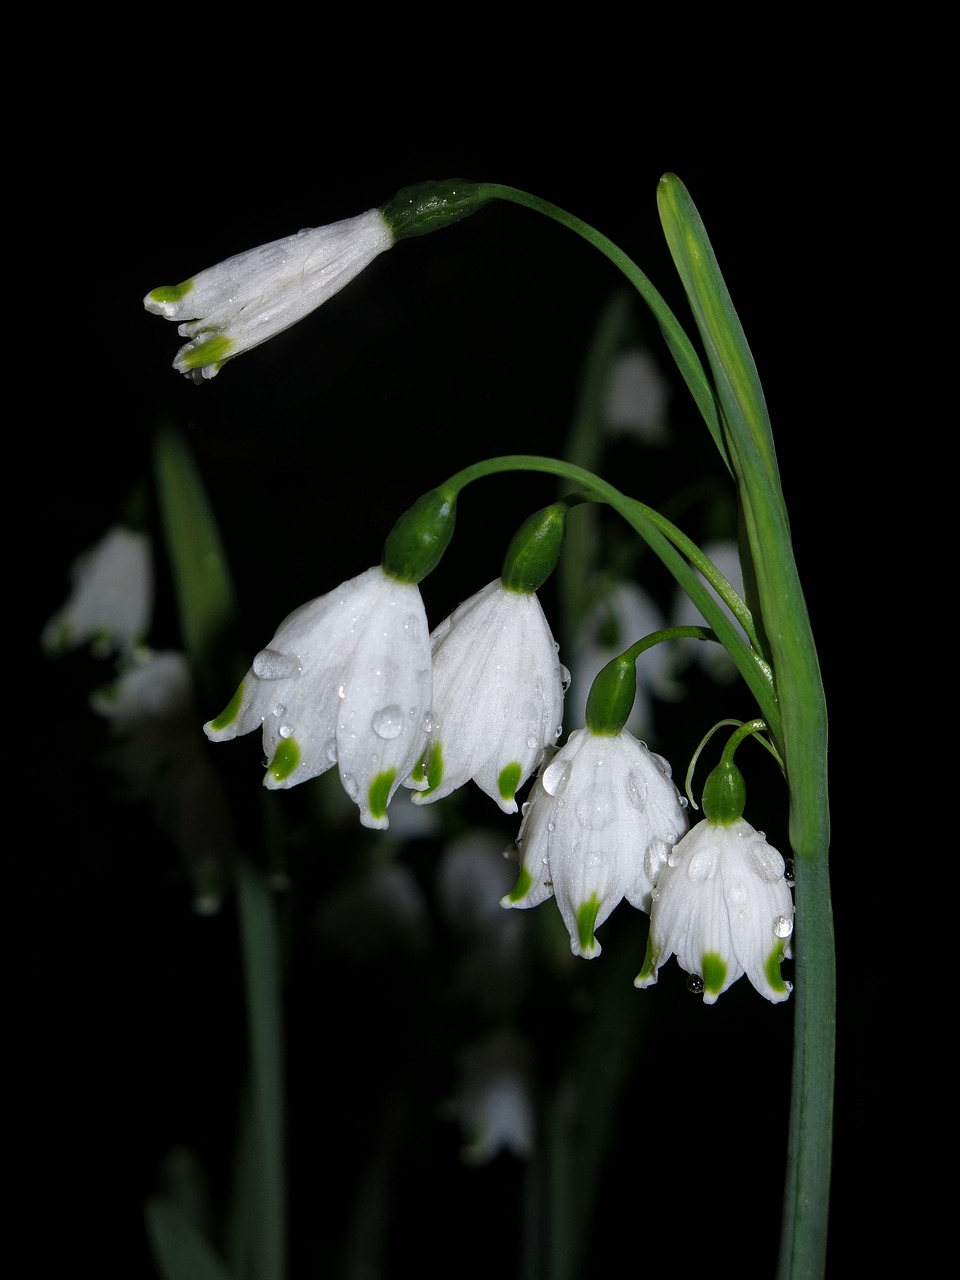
(509, 780)
(522, 887)
(378, 796)
(714, 973)
(170, 293)
(416, 543)
(534, 550)
(611, 697)
(724, 795)
(772, 969)
(285, 760)
(430, 206)
(586, 922)
(230, 711)
(206, 353)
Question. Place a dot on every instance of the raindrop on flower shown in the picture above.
(695, 984)
(388, 722)
(788, 873)
(269, 664)
(330, 750)
(286, 731)
(594, 812)
(565, 678)
(350, 786)
(552, 777)
(783, 926)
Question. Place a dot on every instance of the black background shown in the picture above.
(450, 348)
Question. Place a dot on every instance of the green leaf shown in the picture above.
(180, 1250)
(199, 563)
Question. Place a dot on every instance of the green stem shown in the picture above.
(680, 346)
(667, 542)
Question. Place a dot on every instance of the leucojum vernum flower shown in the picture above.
(357, 680)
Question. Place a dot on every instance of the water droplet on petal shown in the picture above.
(565, 678)
(388, 722)
(788, 873)
(330, 750)
(552, 777)
(286, 731)
(350, 785)
(783, 926)
(270, 664)
(279, 710)
(695, 984)
(683, 802)
(532, 743)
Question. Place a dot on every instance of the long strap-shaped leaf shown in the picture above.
(782, 612)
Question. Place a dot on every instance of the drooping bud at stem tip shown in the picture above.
(430, 206)
(534, 550)
(416, 543)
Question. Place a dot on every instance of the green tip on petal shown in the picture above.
(378, 797)
(285, 760)
(171, 292)
(714, 973)
(648, 973)
(772, 969)
(213, 350)
(230, 711)
(522, 887)
(586, 920)
(509, 780)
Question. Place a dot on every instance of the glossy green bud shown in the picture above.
(611, 696)
(418, 540)
(724, 795)
(534, 550)
(430, 206)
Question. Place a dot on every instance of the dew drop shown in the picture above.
(565, 678)
(783, 926)
(270, 664)
(551, 826)
(524, 808)
(695, 984)
(683, 802)
(552, 777)
(388, 722)
(330, 750)
(350, 785)
(286, 731)
(532, 743)
(279, 711)
(594, 812)
(788, 873)
(428, 722)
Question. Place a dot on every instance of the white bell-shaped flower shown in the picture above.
(602, 818)
(723, 906)
(111, 598)
(346, 680)
(498, 688)
(242, 302)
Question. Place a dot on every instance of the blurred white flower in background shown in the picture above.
(111, 600)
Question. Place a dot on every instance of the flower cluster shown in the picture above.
(355, 679)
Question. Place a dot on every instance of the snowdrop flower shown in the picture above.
(494, 1102)
(497, 696)
(602, 818)
(346, 680)
(111, 599)
(722, 905)
(242, 302)
(637, 397)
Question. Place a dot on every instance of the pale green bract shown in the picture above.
(242, 302)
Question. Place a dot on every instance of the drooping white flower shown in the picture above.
(495, 1099)
(712, 658)
(497, 696)
(346, 680)
(637, 397)
(722, 905)
(602, 818)
(242, 302)
(111, 599)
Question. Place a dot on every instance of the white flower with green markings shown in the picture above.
(498, 689)
(723, 906)
(345, 681)
(248, 299)
(602, 818)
